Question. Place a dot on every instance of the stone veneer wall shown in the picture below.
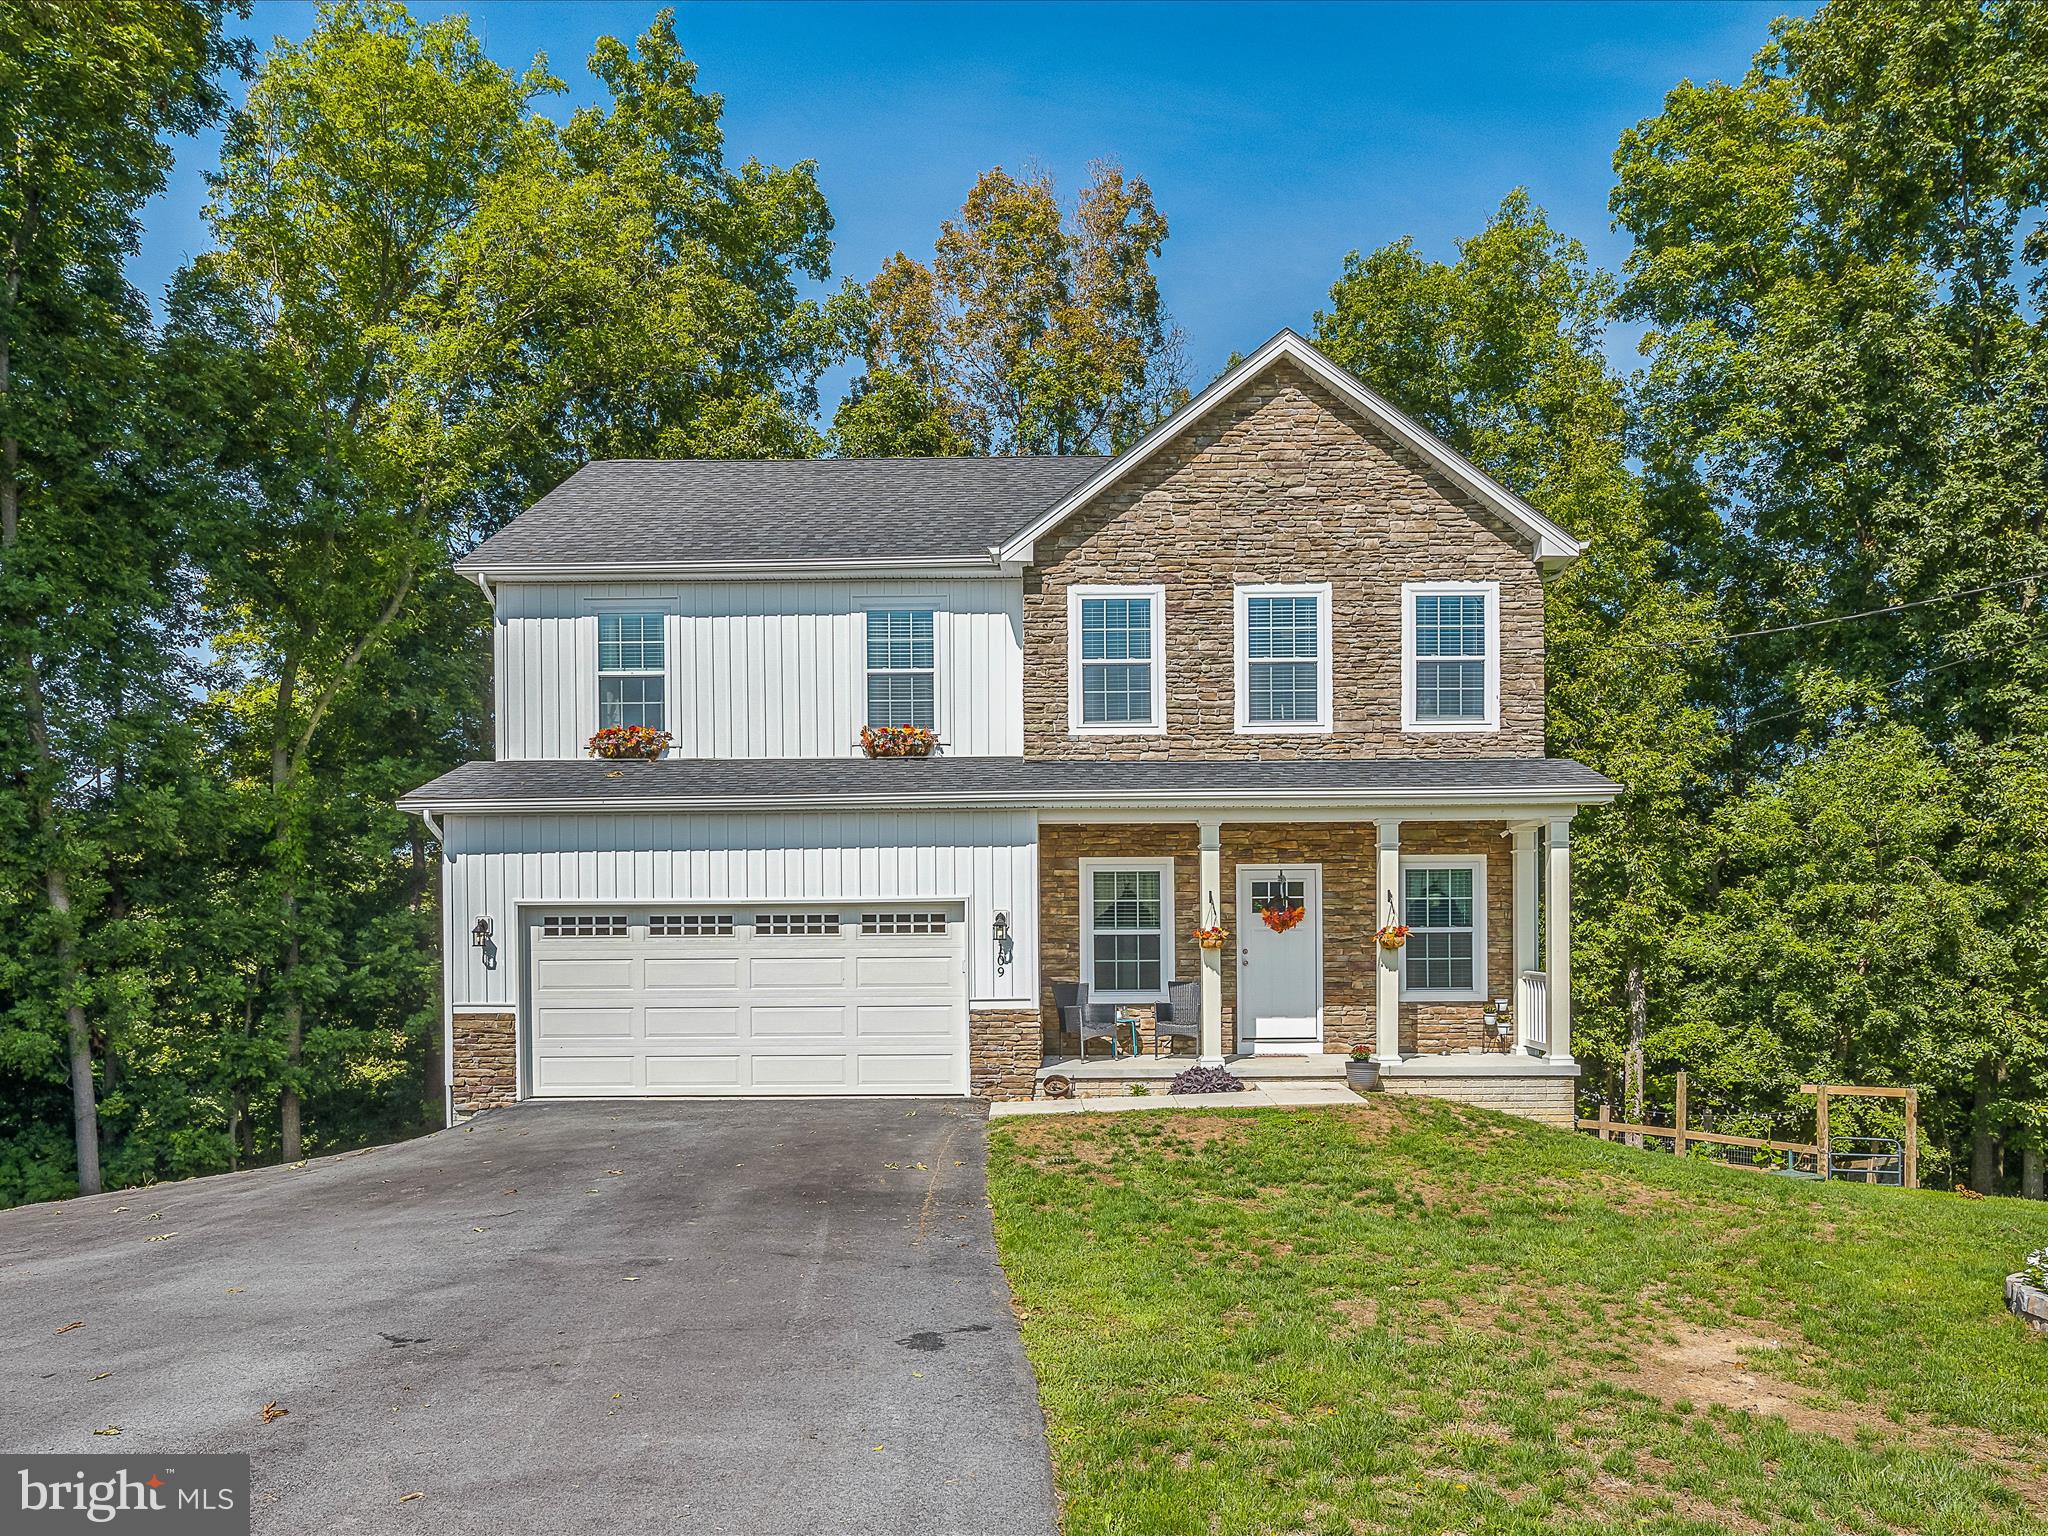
(486, 1061)
(1284, 483)
(1060, 851)
(1349, 855)
(1004, 1049)
(1548, 1099)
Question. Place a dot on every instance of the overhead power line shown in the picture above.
(1873, 613)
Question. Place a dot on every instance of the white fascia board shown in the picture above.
(1412, 803)
(1554, 546)
(716, 570)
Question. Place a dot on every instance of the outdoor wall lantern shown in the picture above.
(480, 935)
(1004, 949)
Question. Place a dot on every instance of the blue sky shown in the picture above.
(1275, 137)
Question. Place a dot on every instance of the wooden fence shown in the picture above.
(1820, 1150)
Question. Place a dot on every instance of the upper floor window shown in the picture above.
(631, 670)
(901, 668)
(1283, 658)
(1451, 670)
(1116, 683)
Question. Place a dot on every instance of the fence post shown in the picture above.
(1820, 1130)
(1678, 1140)
(1603, 1120)
(1912, 1168)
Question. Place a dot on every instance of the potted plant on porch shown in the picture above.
(1361, 1071)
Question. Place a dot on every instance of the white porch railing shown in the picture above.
(1532, 1009)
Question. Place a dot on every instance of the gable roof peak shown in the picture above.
(1553, 545)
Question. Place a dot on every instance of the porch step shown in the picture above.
(1102, 1075)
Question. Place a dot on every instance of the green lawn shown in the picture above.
(1417, 1317)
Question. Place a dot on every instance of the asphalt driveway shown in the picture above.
(706, 1318)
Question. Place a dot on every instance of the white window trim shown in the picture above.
(868, 605)
(1477, 992)
(1089, 867)
(1241, 650)
(622, 607)
(1156, 596)
(1410, 590)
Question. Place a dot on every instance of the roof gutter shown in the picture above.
(1421, 799)
(990, 563)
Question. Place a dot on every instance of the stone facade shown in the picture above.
(1060, 851)
(1004, 1048)
(1283, 483)
(486, 1061)
(1349, 855)
(1546, 1098)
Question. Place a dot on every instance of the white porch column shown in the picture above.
(1525, 927)
(1558, 939)
(1211, 1042)
(1387, 1000)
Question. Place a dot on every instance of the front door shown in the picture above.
(1280, 974)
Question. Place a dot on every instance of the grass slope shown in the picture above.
(1417, 1317)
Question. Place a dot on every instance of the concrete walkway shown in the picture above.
(1254, 1096)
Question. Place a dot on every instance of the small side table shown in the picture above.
(1129, 1021)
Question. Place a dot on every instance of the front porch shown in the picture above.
(1476, 1005)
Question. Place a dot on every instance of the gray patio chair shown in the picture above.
(1088, 1021)
(1179, 1017)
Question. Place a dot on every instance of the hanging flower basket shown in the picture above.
(1212, 938)
(1393, 936)
(897, 741)
(1282, 914)
(629, 741)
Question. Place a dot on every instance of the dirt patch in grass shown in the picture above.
(1707, 1366)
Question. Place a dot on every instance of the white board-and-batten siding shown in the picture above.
(759, 668)
(499, 864)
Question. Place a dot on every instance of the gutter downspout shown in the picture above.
(447, 1013)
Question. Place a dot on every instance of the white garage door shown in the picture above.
(749, 1000)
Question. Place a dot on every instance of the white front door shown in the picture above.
(1280, 975)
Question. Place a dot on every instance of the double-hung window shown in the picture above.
(631, 670)
(1451, 672)
(1443, 903)
(901, 668)
(1283, 658)
(1127, 928)
(1116, 677)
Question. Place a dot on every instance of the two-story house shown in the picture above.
(1277, 669)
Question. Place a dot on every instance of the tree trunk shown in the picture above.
(1634, 1100)
(1983, 1134)
(85, 1117)
(2032, 1184)
(290, 1145)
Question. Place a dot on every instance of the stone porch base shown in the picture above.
(1528, 1086)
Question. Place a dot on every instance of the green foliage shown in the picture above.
(426, 305)
(1030, 332)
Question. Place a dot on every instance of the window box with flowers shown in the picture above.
(629, 741)
(897, 741)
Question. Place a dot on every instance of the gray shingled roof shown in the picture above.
(857, 780)
(628, 512)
